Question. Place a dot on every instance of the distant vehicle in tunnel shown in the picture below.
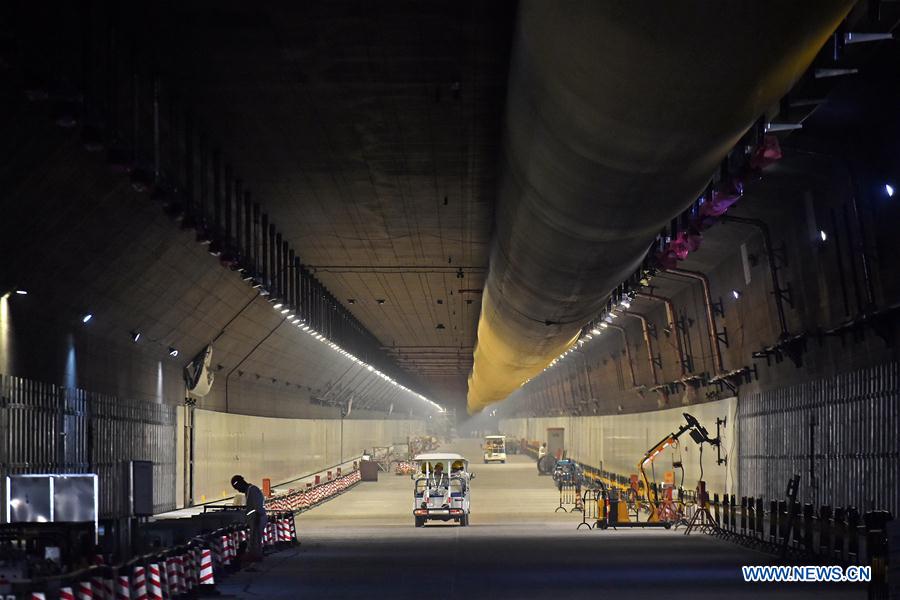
(439, 495)
(494, 448)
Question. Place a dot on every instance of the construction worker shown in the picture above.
(439, 477)
(256, 516)
(542, 452)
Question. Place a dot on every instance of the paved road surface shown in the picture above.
(363, 545)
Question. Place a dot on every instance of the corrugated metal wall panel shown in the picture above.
(52, 429)
(617, 442)
(839, 433)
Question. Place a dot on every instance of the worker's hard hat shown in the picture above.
(236, 480)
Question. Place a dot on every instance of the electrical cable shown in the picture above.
(701, 462)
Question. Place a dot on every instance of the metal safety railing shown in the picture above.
(569, 495)
(799, 531)
(182, 571)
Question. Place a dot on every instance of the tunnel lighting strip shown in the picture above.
(596, 330)
(302, 326)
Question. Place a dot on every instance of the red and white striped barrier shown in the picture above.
(184, 583)
(168, 576)
(139, 583)
(172, 576)
(294, 501)
(155, 591)
(123, 588)
(206, 568)
(293, 526)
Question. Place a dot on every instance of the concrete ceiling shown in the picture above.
(370, 133)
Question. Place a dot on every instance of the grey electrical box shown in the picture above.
(139, 484)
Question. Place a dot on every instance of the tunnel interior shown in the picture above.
(651, 246)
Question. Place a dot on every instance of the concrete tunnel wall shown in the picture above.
(617, 442)
(280, 449)
(99, 246)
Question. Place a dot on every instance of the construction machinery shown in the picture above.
(662, 512)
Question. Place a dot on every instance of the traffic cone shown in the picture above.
(155, 591)
(97, 587)
(184, 573)
(164, 579)
(223, 550)
(38, 596)
(172, 577)
(85, 591)
(139, 583)
(293, 527)
(66, 593)
(207, 578)
(123, 588)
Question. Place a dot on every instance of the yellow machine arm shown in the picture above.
(698, 434)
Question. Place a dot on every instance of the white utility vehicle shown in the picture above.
(441, 488)
(494, 448)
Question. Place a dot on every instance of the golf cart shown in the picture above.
(494, 448)
(441, 490)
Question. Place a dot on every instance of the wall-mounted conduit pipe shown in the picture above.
(710, 315)
(777, 290)
(599, 156)
(645, 328)
(624, 333)
(672, 326)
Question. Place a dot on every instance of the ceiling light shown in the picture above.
(625, 303)
(604, 325)
(823, 235)
(736, 294)
(87, 318)
(135, 336)
(22, 292)
(889, 190)
(595, 331)
(295, 321)
(173, 352)
(285, 311)
(277, 305)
